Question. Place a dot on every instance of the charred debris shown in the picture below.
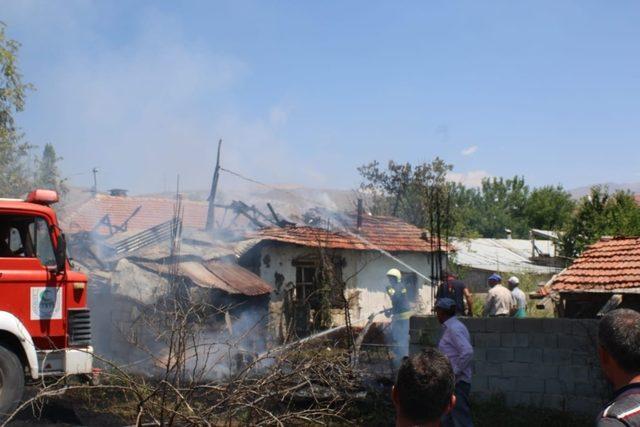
(288, 274)
(293, 279)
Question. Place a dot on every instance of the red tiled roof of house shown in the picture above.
(611, 263)
(377, 232)
(153, 211)
(637, 197)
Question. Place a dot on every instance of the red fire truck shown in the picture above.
(45, 327)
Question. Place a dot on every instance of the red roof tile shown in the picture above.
(637, 197)
(606, 265)
(153, 211)
(377, 232)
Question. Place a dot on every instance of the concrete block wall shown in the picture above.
(539, 362)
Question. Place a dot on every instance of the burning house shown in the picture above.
(340, 270)
(605, 276)
(297, 279)
(125, 245)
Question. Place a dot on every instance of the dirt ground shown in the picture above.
(376, 410)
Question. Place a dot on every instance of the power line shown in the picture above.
(344, 227)
(248, 179)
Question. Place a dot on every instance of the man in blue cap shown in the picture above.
(456, 345)
(499, 299)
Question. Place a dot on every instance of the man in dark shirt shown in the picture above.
(456, 290)
(619, 353)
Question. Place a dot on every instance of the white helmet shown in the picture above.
(394, 272)
(514, 280)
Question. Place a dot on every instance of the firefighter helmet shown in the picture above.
(394, 272)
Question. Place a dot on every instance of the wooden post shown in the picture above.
(212, 194)
(94, 190)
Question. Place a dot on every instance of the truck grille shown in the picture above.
(79, 327)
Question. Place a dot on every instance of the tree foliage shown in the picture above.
(17, 175)
(549, 208)
(601, 214)
(418, 194)
(14, 173)
(47, 172)
(501, 204)
(414, 193)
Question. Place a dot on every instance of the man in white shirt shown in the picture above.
(456, 345)
(499, 299)
(519, 308)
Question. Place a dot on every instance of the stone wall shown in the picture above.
(540, 362)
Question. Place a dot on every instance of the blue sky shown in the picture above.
(304, 92)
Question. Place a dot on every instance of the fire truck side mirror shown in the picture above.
(61, 253)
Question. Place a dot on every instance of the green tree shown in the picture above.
(549, 208)
(465, 211)
(418, 194)
(47, 172)
(600, 214)
(14, 174)
(389, 187)
(501, 206)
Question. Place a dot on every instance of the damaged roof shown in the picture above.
(141, 212)
(227, 277)
(607, 265)
(239, 278)
(377, 232)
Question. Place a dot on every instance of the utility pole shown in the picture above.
(212, 194)
(94, 190)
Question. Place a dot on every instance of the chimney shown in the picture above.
(118, 192)
(360, 212)
(508, 230)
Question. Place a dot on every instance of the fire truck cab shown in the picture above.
(45, 327)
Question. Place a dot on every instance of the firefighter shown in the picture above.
(400, 313)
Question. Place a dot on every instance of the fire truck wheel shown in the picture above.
(11, 381)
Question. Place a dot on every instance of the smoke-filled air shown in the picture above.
(295, 213)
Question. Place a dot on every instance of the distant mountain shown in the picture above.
(633, 187)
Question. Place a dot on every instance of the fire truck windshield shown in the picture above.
(26, 236)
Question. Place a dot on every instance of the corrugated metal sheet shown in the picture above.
(239, 278)
(230, 278)
(377, 232)
(163, 251)
(508, 255)
(607, 265)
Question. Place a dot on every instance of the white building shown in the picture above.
(290, 259)
(476, 259)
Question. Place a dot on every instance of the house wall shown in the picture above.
(371, 280)
(540, 362)
(365, 272)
